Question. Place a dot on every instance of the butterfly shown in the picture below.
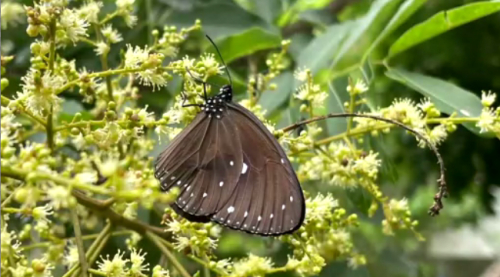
(231, 170)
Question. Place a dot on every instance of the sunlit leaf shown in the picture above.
(442, 22)
(447, 97)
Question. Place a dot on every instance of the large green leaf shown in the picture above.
(321, 50)
(442, 22)
(246, 43)
(447, 97)
(218, 19)
(363, 33)
(406, 9)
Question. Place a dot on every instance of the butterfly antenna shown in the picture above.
(222, 60)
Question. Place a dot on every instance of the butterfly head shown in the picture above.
(226, 93)
(214, 106)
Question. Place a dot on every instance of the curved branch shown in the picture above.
(443, 190)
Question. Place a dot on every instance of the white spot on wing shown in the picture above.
(188, 188)
(271, 216)
(259, 218)
(231, 163)
(283, 207)
(230, 209)
(192, 194)
(205, 194)
(179, 182)
(282, 161)
(246, 214)
(291, 198)
(244, 169)
(221, 183)
(173, 178)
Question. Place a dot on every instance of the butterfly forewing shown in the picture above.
(268, 199)
(179, 160)
(218, 171)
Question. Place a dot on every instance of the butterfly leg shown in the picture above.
(199, 80)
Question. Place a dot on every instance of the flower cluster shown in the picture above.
(195, 237)
(120, 266)
(340, 165)
(325, 236)
(12, 14)
(489, 120)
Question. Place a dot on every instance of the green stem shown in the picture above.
(105, 67)
(11, 195)
(97, 272)
(50, 129)
(52, 49)
(101, 74)
(6, 101)
(108, 17)
(79, 243)
(98, 243)
(11, 210)
(88, 41)
(86, 237)
(21, 175)
(157, 241)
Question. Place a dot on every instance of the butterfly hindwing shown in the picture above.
(268, 199)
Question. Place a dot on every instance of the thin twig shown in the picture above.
(98, 242)
(154, 239)
(79, 243)
(442, 191)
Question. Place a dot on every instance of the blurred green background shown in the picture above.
(330, 37)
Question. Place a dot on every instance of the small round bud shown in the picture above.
(110, 115)
(38, 266)
(111, 105)
(128, 112)
(75, 131)
(155, 33)
(35, 48)
(89, 139)
(21, 195)
(33, 30)
(31, 177)
(5, 83)
(273, 86)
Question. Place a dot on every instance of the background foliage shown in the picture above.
(445, 50)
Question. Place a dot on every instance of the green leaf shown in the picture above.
(272, 100)
(363, 33)
(69, 108)
(267, 10)
(447, 97)
(406, 10)
(442, 22)
(321, 50)
(218, 19)
(246, 43)
(337, 95)
(292, 14)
